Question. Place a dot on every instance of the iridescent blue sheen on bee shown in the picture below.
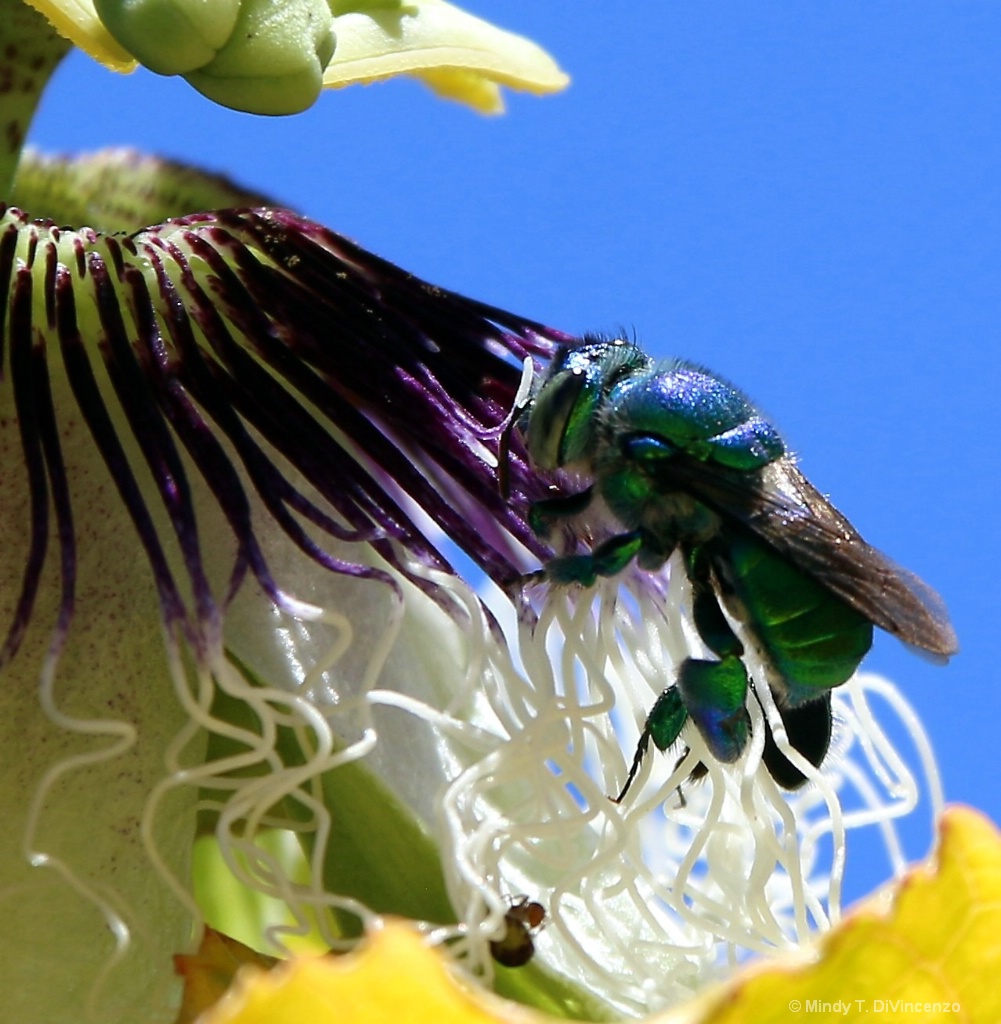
(684, 462)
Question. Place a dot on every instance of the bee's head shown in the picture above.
(559, 422)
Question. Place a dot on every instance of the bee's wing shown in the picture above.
(781, 507)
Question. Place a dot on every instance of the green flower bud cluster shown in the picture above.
(261, 56)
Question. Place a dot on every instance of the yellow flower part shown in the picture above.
(926, 949)
(77, 21)
(459, 56)
(394, 976)
(274, 56)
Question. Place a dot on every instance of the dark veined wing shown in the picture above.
(781, 507)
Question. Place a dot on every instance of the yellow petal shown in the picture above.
(394, 976)
(927, 949)
(459, 55)
(77, 21)
(466, 87)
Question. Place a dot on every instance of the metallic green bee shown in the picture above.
(683, 462)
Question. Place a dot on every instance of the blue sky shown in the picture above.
(804, 197)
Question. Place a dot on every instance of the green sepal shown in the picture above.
(340, 7)
(170, 37)
(258, 56)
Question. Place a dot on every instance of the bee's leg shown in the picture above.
(608, 558)
(808, 725)
(697, 774)
(663, 725)
(712, 693)
(808, 728)
(715, 692)
(542, 513)
(710, 622)
(641, 749)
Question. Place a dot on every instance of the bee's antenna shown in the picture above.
(521, 399)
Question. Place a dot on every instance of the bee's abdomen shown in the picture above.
(811, 639)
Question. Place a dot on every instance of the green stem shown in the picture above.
(30, 49)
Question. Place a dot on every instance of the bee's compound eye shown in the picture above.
(550, 416)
